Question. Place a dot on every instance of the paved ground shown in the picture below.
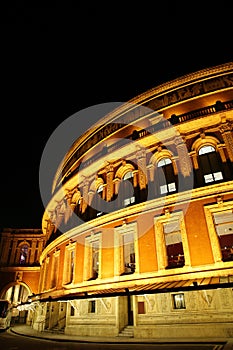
(23, 329)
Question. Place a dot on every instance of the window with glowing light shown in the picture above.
(126, 255)
(165, 176)
(174, 246)
(92, 256)
(128, 252)
(178, 301)
(223, 222)
(210, 164)
(23, 259)
(68, 274)
(98, 200)
(128, 189)
(54, 270)
(95, 258)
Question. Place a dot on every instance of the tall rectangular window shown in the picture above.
(223, 222)
(92, 256)
(95, 258)
(92, 306)
(45, 284)
(128, 252)
(72, 310)
(178, 301)
(126, 255)
(165, 175)
(69, 265)
(141, 307)
(174, 246)
(54, 272)
(210, 164)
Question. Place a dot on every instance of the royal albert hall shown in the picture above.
(139, 227)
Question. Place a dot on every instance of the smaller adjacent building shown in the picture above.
(20, 251)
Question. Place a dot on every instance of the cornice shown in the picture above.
(155, 205)
(120, 114)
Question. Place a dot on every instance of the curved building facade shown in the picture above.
(139, 228)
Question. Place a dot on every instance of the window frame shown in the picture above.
(119, 263)
(55, 269)
(161, 250)
(88, 256)
(68, 269)
(209, 211)
(175, 302)
(215, 174)
(168, 187)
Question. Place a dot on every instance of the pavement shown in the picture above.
(26, 330)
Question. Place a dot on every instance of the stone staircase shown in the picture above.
(126, 332)
(55, 330)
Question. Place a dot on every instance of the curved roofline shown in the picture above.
(142, 98)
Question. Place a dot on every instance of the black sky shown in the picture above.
(58, 60)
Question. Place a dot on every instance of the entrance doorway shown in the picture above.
(130, 309)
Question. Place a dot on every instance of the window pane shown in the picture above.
(222, 220)
(172, 226)
(178, 300)
(163, 189)
(128, 175)
(126, 201)
(141, 307)
(208, 178)
(91, 306)
(129, 253)
(206, 149)
(224, 227)
(218, 176)
(23, 254)
(100, 189)
(163, 162)
(172, 187)
(95, 259)
(174, 247)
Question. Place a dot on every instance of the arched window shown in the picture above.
(210, 164)
(23, 257)
(100, 192)
(128, 190)
(165, 176)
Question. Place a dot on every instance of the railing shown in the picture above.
(14, 264)
(201, 112)
(198, 113)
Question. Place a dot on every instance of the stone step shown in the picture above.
(127, 332)
(54, 330)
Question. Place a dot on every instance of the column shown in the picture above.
(226, 131)
(61, 212)
(184, 163)
(33, 250)
(193, 156)
(142, 171)
(16, 293)
(85, 195)
(40, 247)
(13, 252)
(109, 182)
(4, 253)
(69, 208)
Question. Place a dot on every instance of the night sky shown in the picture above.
(58, 60)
